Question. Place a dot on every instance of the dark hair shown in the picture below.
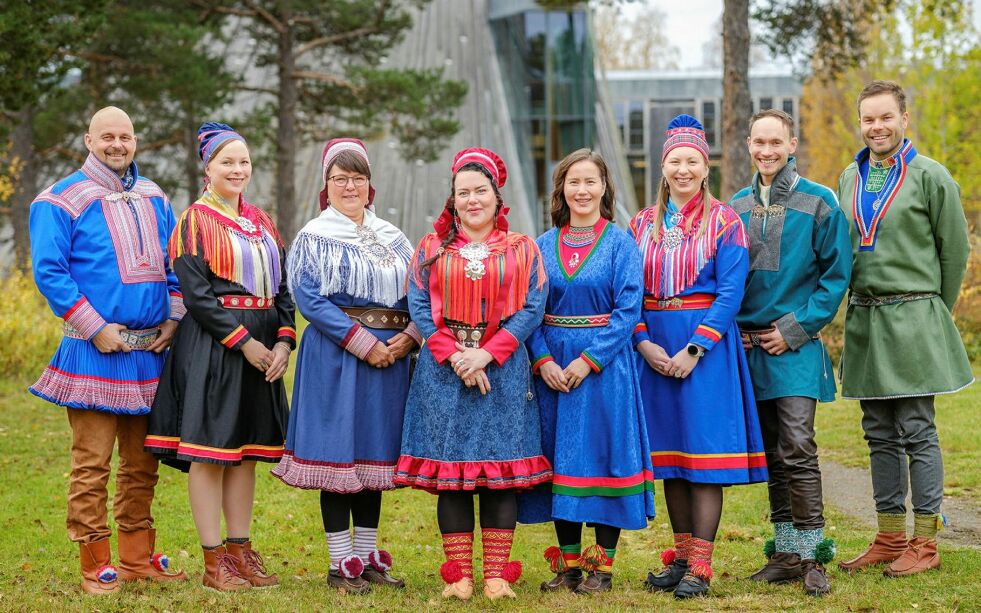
(876, 88)
(560, 208)
(351, 162)
(777, 114)
(450, 204)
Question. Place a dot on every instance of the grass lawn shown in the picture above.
(38, 565)
(839, 434)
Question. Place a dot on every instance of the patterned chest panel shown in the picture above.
(132, 224)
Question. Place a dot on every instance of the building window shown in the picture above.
(788, 106)
(620, 116)
(635, 138)
(709, 121)
(766, 103)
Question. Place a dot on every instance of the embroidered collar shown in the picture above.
(334, 225)
(870, 207)
(783, 184)
(247, 223)
(865, 156)
(96, 170)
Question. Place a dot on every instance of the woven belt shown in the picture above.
(870, 301)
(679, 303)
(378, 319)
(754, 335)
(577, 321)
(469, 336)
(138, 340)
(230, 301)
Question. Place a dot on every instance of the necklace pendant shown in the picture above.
(245, 224)
(672, 239)
(876, 204)
(574, 260)
(475, 253)
(475, 270)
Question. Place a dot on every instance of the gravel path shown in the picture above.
(849, 490)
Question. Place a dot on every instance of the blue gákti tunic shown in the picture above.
(595, 435)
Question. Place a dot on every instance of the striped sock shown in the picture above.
(700, 558)
(927, 526)
(682, 541)
(497, 551)
(365, 541)
(339, 544)
(458, 548)
(892, 522)
(571, 553)
(610, 554)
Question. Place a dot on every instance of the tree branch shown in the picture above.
(225, 10)
(64, 152)
(323, 41)
(277, 25)
(324, 78)
(258, 90)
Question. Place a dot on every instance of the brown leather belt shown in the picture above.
(246, 302)
(754, 335)
(469, 336)
(378, 319)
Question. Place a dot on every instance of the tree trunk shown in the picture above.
(25, 186)
(193, 171)
(286, 129)
(736, 105)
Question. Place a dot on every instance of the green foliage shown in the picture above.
(28, 330)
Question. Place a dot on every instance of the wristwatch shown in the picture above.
(695, 351)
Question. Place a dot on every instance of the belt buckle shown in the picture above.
(754, 339)
(139, 340)
(670, 302)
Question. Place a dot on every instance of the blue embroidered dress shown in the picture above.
(595, 435)
(703, 428)
(99, 254)
(345, 426)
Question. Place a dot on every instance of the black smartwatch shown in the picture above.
(695, 351)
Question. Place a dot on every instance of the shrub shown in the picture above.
(29, 332)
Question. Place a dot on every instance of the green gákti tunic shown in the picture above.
(919, 248)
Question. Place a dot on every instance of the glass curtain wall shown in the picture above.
(546, 60)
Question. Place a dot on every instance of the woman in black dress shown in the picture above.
(221, 405)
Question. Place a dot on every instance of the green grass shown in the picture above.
(38, 564)
(839, 434)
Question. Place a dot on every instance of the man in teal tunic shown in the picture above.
(910, 248)
(800, 262)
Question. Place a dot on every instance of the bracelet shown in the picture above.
(284, 344)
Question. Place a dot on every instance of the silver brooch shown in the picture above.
(673, 238)
(474, 253)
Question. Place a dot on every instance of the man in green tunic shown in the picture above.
(799, 264)
(910, 247)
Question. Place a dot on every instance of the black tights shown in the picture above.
(337, 510)
(498, 509)
(570, 533)
(694, 507)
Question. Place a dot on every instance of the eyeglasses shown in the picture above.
(342, 181)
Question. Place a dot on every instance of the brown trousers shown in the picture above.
(94, 434)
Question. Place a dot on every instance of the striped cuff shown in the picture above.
(236, 338)
(593, 362)
(177, 308)
(541, 361)
(413, 330)
(84, 318)
(706, 336)
(287, 335)
(359, 341)
(640, 334)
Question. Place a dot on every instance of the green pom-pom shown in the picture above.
(769, 548)
(825, 551)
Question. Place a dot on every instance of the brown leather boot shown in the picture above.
(781, 567)
(886, 547)
(815, 578)
(568, 579)
(137, 560)
(920, 556)
(98, 573)
(250, 565)
(220, 572)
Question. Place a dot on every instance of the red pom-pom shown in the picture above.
(512, 571)
(701, 569)
(556, 562)
(451, 571)
(160, 561)
(668, 556)
(351, 566)
(380, 560)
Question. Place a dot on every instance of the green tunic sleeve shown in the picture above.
(949, 230)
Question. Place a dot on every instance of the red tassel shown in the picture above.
(512, 571)
(668, 556)
(701, 568)
(351, 566)
(451, 572)
(380, 560)
(556, 562)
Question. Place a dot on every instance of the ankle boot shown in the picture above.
(782, 567)
(597, 581)
(886, 547)
(220, 572)
(137, 560)
(669, 578)
(815, 578)
(568, 579)
(98, 573)
(250, 565)
(920, 555)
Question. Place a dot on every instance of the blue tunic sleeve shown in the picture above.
(521, 324)
(731, 268)
(628, 295)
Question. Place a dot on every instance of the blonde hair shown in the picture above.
(664, 193)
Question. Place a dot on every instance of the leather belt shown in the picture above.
(469, 336)
(754, 335)
(137, 340)
(679, 303)
(378, 319)
(870, 301)
(230, 301)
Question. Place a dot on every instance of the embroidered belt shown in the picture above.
(577, 321)
(136, 339)
(378, 319)
(870, 301)
(754, 335)
(679, 303)
(246, 302)
(469, 336)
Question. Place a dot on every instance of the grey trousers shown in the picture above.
(897, 429)
(791, 460)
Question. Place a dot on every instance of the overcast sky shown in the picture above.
(690, 39)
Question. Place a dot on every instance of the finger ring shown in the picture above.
(677, 373)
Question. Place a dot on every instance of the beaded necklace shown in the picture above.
(579, 236)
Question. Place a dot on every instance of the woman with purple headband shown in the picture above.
(221, 404)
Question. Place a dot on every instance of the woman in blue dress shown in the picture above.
(347, 271)
(701, 415)
(476, 291)
(593, 425)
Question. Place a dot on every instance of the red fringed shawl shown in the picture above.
(667, 272)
